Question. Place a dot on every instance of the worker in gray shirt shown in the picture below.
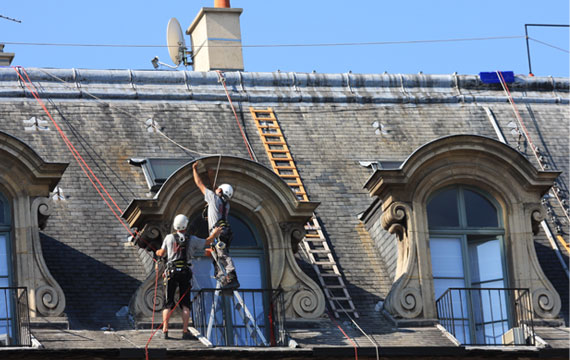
(217, 213)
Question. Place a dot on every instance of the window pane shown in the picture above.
(446, 258)
(2, 219)
(442, 210)
(163, 168)
(243, 235)
(461, 329)
(249, 272)
(3, 255)
(5, 303)
(480, 212)
(485, 261)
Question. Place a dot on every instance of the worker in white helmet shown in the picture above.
(179, 247)
(217, 214)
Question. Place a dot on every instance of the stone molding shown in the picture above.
(26, 180)
(49, 297)
(404, 299)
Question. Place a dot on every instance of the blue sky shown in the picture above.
(269, 22)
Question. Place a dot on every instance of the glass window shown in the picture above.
(479, 211)
(469, 255)
(247, 253)
(442, 209)
(3, 256)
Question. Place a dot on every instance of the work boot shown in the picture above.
(230, 281)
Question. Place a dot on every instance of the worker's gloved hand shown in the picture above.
(220, 244)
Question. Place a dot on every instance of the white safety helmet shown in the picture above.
(227, 190)
(180, 222)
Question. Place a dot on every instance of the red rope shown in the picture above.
(162, 324)
(90, 175)
(222, 79)
(81, 162)
(345, 335)
(519, 117)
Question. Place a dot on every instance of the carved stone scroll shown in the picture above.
(49, 297)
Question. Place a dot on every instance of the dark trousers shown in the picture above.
(178, 279)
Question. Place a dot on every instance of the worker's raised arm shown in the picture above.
(197, 178)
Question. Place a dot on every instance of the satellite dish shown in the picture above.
(175, 41)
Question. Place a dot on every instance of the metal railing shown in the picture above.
(220, 317)
(487, 316)
(14, 317)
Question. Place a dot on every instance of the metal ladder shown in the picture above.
(315, 243)
(249, 322)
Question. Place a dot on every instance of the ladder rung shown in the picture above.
(340, 298)
(335, 286)
(324, 251)
(273, 142)
(329, 275)
(325, 263)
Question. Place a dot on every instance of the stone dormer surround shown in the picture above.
(471, 160)
(267, 201)
(26, 181)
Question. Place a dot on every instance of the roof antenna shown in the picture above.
(176, 47)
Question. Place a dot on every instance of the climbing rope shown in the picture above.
(222, 79)
(532, 146)
(91, 176)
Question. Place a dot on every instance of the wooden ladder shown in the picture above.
(315, 243)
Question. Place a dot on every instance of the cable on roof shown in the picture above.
(345, 335)
(222, 79)
(111, 105)
(83, 165)
(537, 156)
(376, 346)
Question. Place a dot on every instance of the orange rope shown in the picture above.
(90, 175)
(345, 335)
(248, 147)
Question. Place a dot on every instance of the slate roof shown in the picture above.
(328, 121)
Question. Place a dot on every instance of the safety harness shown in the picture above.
(180, 265)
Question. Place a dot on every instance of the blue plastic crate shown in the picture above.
(493, 78)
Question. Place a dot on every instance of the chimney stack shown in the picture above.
(216, 38)
(5, 58)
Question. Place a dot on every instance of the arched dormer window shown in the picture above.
(267, 220)
(481, 201)
(466, 246)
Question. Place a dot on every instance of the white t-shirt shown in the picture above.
(195, 244)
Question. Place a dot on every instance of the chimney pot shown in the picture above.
(222, 3)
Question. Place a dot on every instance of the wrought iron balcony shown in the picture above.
(240, 318)
(14, 317)
(487, 316)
